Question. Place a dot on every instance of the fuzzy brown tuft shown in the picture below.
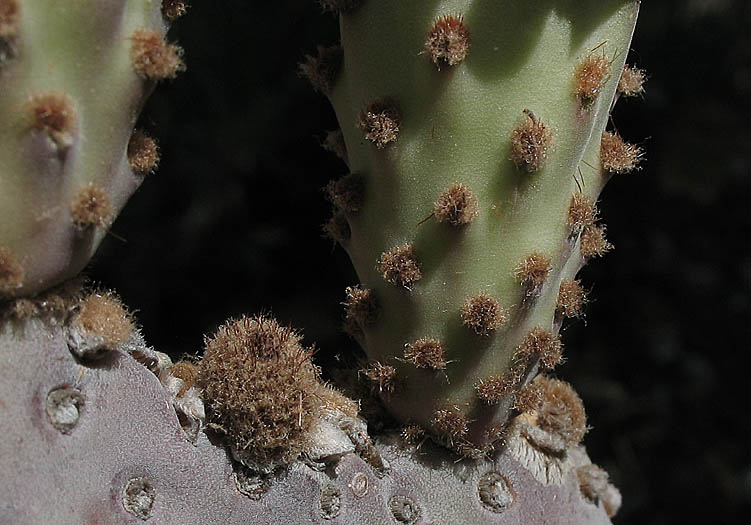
(589, 79)
(11, 272)
(342, 6)
(456, 206)
(530, 142)
(562, 411)
(337, 228)
(399, 266)
(103, 315)
(571, 298)
(495, 389)
(334, 142)
(483, 314)
(618, 156)
(632, 81)
(593, 242)
(55, 114)
(532, 272)
(347, 193)
(143, 153)
(10, 12)
(412, 434)
(173, 9)
(529, 397)
(451, 422)
(185, 371)
(380, 121)
(259, 385)
(360, 309)
(448, 40)
(91, 207)
(541, 344)
(382, 377)
(582, 212)
(153, 58)
(322, 70)
(426, 353)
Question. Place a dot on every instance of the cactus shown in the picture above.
(476, 134)
(476, 154)
(73, 78)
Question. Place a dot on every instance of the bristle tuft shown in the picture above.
(532, 272)
(103, 315)
(360, 309)
(187, 372)
(322, 70)
(451, 422)
(91, 207)
(529, 397)
(632, 82)
(382, 377)
(483, 314)
(540, 344)
(582, 212)
(173, 9)
(530, 143)
(562, 411)
(55, 114)
(399, 266)
(143, 153)
(593, 242)
(495, 389)
(380, 121)
(153, 58)
(347, 193)
(618, 156)
(337, 228)
(448, 41)
(413, 434)
(426, 353)
(589, 79)
(571, 298)
(456, 206)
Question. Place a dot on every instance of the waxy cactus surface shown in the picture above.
(474, 131)
(73, 79)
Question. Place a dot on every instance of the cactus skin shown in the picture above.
(73, 79)
(101, 442)
(517, 121)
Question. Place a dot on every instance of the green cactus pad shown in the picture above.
(472, 126)
(73, 79)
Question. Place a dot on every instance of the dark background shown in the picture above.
(231, 224)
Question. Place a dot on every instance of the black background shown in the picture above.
(231, 224)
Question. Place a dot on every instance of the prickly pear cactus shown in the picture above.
(476, 141)
(73, 79)
(475, 135)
